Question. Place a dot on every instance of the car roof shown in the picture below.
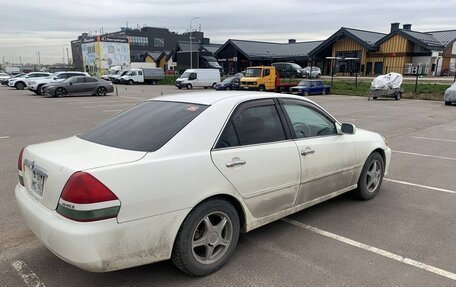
(210, 98)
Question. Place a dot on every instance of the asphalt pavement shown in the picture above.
(404, 237)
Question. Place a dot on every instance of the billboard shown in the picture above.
(101, 52)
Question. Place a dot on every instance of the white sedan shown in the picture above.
(181, 176)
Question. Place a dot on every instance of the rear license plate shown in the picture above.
(38, 176)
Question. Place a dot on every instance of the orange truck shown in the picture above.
(266, 78)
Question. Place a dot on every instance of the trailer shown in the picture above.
(388, 85)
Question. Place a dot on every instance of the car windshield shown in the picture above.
(145, 127)
(304, 83)
(296, 66)
(228, 80)
(253, 72)
(186, 75)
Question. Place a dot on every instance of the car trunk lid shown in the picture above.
(47, 166)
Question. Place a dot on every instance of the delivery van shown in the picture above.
(205, 78)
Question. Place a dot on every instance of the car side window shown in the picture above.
(77, 80)
(253, 125)
(140, 73)
(266, 72)
(192, 76)
(89, 80)
(308, 122)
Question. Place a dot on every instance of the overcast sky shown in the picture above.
(48, 26)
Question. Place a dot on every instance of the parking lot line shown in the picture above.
(424, 155)
(111, 111)
(419, 185)
(435, 139)
(373, 249)
(107, 101)
(4, 137)
(28, 276)
(133, 98)
(103, 106)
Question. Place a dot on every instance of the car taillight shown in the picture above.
(19, 160)
(20, 167)
(85, 198)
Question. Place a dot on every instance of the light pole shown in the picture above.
(356, 70)
(333, 67)
(191, 57)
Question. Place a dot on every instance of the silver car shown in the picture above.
(80, 85)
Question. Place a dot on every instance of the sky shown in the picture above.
(47, 26)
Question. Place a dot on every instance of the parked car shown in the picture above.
(20, 83)
(206, 78)
(310, 87)
(36, 85)
(312, 72)
(79, 85)
(450, 95)
(181, 176)
(448, 72)
(5, 82)
(230, 83)
(4, 77)
(289, 70)
(116, 78)
(143, 75)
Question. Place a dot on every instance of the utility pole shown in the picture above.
(68, 56)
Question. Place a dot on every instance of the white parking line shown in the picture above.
(28, 276)
(424, 155)
(4, 137)
(375, 250)
(102, 102)
(434, 139)
(419, 185)
(141, 99)
(111, 111)
(104, 106)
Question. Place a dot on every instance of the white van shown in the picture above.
(206, 78)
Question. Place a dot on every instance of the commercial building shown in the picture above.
(236, 55)
(98, 54)
(141, 41)
(402, 50)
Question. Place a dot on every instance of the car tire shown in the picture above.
(180, 88)
(306, 93)
(190, 250)
(60, 92)
(19, 86)
(397, 96)
(371, 177)
(213, 85)
(447, 103)
(374, 98)
(154, 82)
(318, 76)
(101, 91)
(261, 88)
(131, 82)
(39, 90)
(323, 92)
(189, 86)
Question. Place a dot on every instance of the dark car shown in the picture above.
(310, 87)
(230, 83)
(289, 70)
(80, 85)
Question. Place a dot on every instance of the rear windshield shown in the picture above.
(145, 127)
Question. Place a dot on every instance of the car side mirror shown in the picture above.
(348, 128)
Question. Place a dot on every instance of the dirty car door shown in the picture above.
(255, 154)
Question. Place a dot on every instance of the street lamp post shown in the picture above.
(356, 70)
(333, 60)
(190, 33)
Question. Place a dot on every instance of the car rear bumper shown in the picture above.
(104, 245)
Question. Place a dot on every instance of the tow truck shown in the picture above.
(266, 78)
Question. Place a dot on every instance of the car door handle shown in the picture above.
(235, 162)
(307, 151)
